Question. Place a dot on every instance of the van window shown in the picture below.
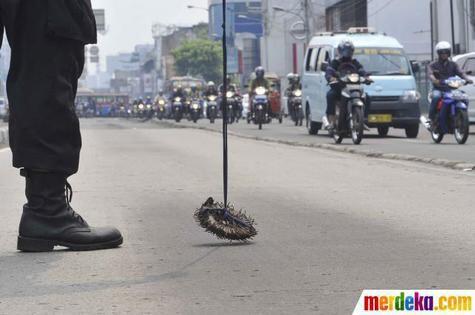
(383, 61)
(323, 57)
(311, 59)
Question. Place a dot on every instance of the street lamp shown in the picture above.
(280, 9)
(197, 8)
(303, 20)
(245, 17)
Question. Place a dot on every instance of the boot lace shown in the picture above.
(69, 198)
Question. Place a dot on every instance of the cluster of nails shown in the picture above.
(225, 221)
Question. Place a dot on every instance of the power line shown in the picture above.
(381, 9)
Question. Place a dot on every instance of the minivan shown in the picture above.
(392, 100)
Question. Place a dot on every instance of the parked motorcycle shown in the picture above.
(295, 100)
(260, 105)
(350, 110)
(212, 108)
(178, 108)
(452, 116)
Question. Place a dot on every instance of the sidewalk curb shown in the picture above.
(455, 165)
(4, 136)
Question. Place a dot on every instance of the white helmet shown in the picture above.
(443, 47)
(290, 76)
(211, 84)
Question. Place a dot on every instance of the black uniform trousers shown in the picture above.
(47, 39)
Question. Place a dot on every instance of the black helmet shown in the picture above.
(260, 72)
(346, 49)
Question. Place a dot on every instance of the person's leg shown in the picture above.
(332, 97)
(44, 129)
(436, 96)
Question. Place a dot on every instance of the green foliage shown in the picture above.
(201, 30)
(201, 57)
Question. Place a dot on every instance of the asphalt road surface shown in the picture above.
(396, 142)
(330, 225)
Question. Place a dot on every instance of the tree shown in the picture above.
(200, 57)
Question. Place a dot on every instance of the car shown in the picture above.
(466, 63)
(393, 98)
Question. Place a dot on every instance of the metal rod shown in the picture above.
(452, 24)
(432, 30)
(225, 110)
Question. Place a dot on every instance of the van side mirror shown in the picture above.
(415, 66)
(324, 66)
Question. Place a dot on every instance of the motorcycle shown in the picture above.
(260, 105)
(295, 100)
(350, 110)
(141, 110)
(195, 110)
(187, 108)
(123, 113)
(234, 103)
(177, 109)
(161, 109)
(212, 108)
(451, 116)
(149, 111)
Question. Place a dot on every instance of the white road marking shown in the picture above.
(4, 150)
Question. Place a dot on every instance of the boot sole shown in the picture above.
(27, 244)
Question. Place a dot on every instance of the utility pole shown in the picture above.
(452, 24)
(306, 10)
(266, 32)
(432, 30)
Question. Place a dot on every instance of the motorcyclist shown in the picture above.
(230, 87)
(148, 100)
(294, 84)
(210, 90)
(439, 71)
(258, 81)
(178, 92)
(345, 63)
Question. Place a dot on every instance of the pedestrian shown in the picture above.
(47, 39)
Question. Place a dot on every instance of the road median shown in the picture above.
(456, 165)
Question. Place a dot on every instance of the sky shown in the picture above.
(129, 22)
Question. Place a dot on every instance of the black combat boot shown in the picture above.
(48, 219)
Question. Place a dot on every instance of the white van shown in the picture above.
(393, 99)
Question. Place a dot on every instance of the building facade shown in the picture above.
(244, 29)
(462, 36)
